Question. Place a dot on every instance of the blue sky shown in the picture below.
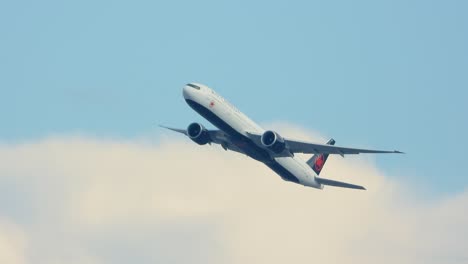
(385, 74)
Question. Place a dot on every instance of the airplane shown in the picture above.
(238, 133)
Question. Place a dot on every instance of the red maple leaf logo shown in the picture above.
(319, 162)
(212, 104)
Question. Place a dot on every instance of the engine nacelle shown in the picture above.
(198, 134)
(273, 141)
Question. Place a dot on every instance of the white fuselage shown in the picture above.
(229, 119)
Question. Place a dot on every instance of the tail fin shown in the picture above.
(318, 160)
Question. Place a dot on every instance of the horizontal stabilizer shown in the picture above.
(338, 184)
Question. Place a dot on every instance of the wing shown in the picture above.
(216, 137)
(306, 147)
(296, 146)
(182, 131)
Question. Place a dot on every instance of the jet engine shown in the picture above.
(273, 141)
(198, 134)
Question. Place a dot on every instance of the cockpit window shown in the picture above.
(193, 86)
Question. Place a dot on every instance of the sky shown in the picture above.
(376, 74)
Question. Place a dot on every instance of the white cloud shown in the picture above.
(95, 201)
(12, 243)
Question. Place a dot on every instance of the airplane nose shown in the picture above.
(186, 92)
(190, 90)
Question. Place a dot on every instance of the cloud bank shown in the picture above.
(82, 200)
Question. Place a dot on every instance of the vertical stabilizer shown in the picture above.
(318, 160)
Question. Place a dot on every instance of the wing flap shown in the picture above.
(338, 184)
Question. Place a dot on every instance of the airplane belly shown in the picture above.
(229, 118)
(294, 167)
(230, 126)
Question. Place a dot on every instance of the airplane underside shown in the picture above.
(244, 143)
